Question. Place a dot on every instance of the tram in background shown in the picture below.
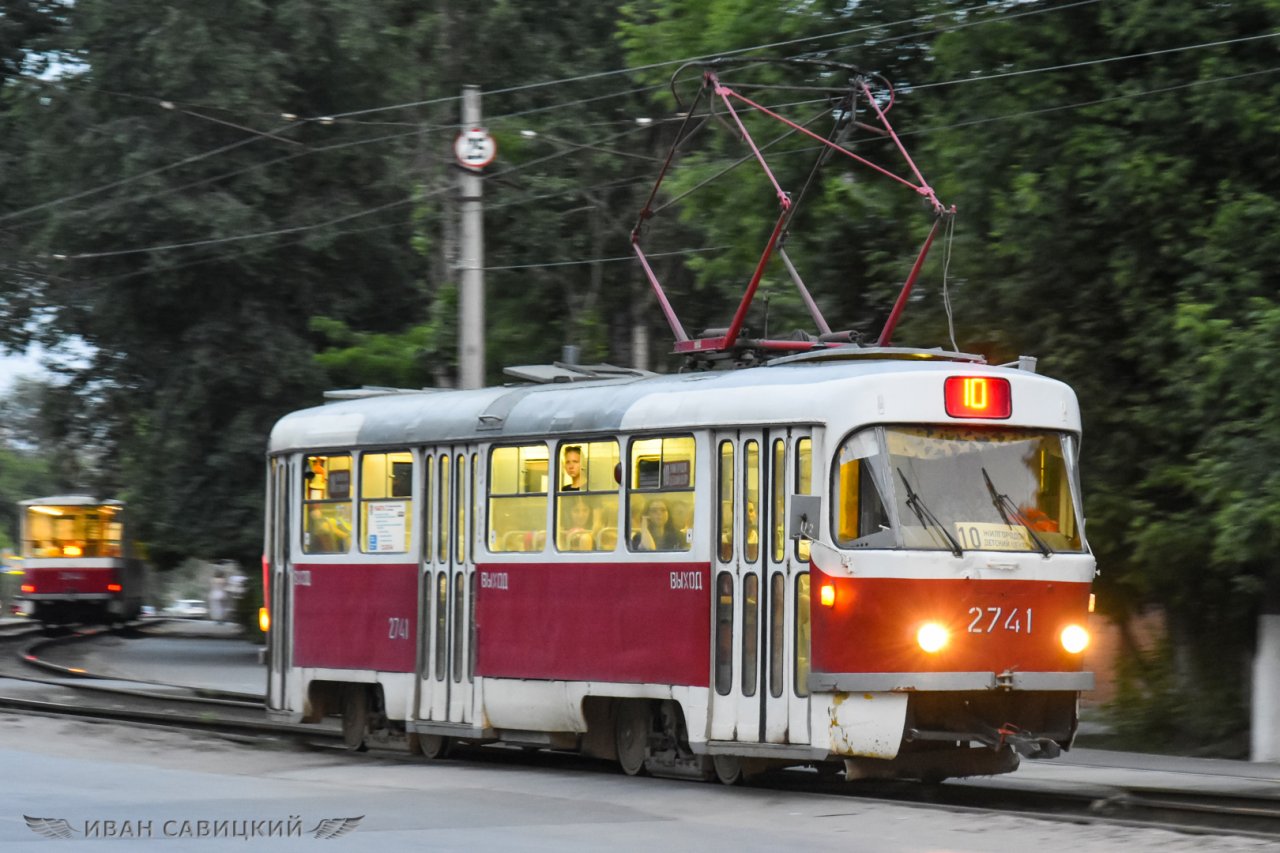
(76, 567)
(864, 555)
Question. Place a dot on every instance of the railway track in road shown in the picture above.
(151, 704)
(27, 686)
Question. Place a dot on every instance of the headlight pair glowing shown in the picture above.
(934, 637)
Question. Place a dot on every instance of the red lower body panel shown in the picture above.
(628, 622)
(355, 616)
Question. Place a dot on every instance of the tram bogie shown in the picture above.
(76, 565)
(611, 567)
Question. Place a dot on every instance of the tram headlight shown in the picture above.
(1074, 639)
(264, 619)
(932, 637)
(827, 595)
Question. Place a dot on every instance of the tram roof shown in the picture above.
(781, 392)
(70, 500)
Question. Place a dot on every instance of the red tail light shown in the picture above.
(28, 587)
(978, 397)
(266, 583)
(114, 587)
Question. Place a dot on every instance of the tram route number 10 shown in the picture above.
(987, 620)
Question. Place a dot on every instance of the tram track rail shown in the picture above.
(1203, 813)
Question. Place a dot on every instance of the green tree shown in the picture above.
(1102, 213)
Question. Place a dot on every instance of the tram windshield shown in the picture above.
(957, 489)
(72, 531)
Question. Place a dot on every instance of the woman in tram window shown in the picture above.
(661, 529)
(578, 529)
(641, 539)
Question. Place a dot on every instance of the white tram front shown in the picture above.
(866, 556)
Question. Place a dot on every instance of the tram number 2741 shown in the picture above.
(987, 620)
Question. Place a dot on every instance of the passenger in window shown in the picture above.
(579, 532)
(682, 519)
(327, 534)
(641, 539)
(1039, 519)
(664, 535)
(577, 480)
(753, 532)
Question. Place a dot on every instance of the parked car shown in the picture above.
(188, 608)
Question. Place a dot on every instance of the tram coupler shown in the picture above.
(1026, 744)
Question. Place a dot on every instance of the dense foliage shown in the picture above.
(218, 210)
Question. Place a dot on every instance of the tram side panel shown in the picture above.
(615, 622)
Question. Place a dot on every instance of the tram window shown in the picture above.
(442, 622)
(751, 500)
(587, 496)
(73, 531)
(427, 519)
(804, 485)
(724, 633)
(802, 638)
(750, 632)
(860, 513)
(458, 632)
(460, 501)
(518, 498)
(777, 633)
(444, 508)
(725, 501)
(326, 504)
(660, 499)
(475, 502)
(386, 508)
(777, 485)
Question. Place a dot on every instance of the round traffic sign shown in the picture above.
(475, 148)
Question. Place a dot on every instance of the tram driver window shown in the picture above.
(587, 498)
(386, 510)
(861, 518)
(660, 495)
(326, 504)
(518, 485)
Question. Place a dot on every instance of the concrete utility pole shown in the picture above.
(471, 257)
(1265, 728)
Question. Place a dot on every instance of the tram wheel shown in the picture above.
(432, 746)
(355, 718)
(728, 769)
(631, 736)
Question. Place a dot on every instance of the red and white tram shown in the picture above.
(75, 562)
(865, 555)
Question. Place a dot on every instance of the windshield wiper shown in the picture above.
(1006, 507)
(927, 518)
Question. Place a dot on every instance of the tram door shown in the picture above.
(760, 648)
(450, 668)
(743, 708)
(280, 586)
(430, 525)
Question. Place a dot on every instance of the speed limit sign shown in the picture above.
(475, 148)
